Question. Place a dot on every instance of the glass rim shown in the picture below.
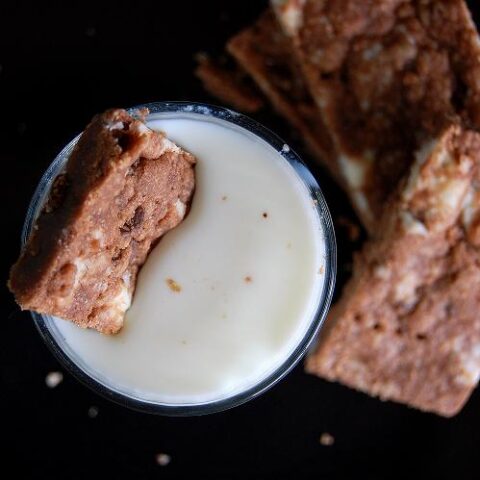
(318, 316)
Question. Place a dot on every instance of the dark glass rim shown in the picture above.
(143, 405)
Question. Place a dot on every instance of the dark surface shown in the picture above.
(60, 64)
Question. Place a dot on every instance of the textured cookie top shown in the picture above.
(387, 76)
(123, 187)
(407, 326)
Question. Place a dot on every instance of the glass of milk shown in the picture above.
(228, 302)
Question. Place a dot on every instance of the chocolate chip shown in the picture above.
(138, 217)
(134, 222)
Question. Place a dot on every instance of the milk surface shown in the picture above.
(224, 298)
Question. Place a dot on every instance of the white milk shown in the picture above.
(248, 259)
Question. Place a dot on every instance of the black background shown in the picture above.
(62, 62)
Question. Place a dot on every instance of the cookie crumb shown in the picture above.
(224, 198)
(92, 412)
(53, 379)
(173, 285)
(326, 439)
(265, 215)
(248, 279)
(163, 459)
(321, 270)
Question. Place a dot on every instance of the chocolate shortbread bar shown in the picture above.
(264, 52)
(387, 77)
(230, 84)
(407, 327)
(123, 187)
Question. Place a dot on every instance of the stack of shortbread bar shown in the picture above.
(386, 94)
